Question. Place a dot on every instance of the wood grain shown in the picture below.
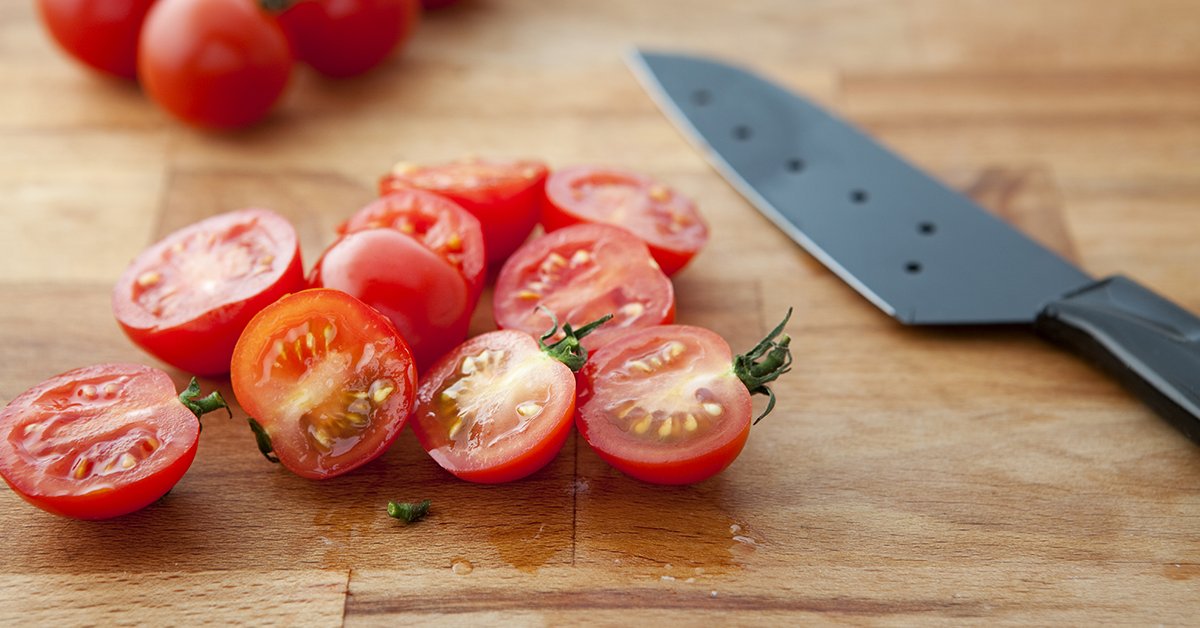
(908, 476)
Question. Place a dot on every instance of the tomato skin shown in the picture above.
(200, 339)
(512, 454)
(341, 38)
(619, 277)
(140, 409)
(426, 298)
(102, 35)
(297, 388)
(666, 220)
(623, 384)
(217, 64)
(505, 196)
(439, 223)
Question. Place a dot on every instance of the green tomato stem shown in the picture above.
(569, 351)
(264, 441)
(408, 512)
(764, 363)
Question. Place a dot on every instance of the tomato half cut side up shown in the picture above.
(671, 404)
(666, 220)
(327, 381)
(579, 274)
(440, 224)
(187, 298)
(101, 441)
(500, 406)
(506, 196)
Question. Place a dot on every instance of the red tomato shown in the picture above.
(103, 35)
(422, 294)
(666, 220)
(328, 380)
(218, 64)
(670, 404)
(100, 441)
(343, 38)
(495, 409)
(505, 196)
(439, 223)
(580, 274)
(187, 298)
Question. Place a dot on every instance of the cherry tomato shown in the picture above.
(505, 196)
(670, 404)
(100, 441)
(499, 407)
(219, 64)
(343, 38)
(581, 273)
(422, 294)
(435, 221)
(327, 381)
(187, 298)
(666, 220)
(103, 35)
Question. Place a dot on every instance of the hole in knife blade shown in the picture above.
(858, 196)
(913, 267)
(702, 97)
(795, 165)
(742, 132)
(927, 228)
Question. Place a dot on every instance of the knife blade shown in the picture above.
(920, 251)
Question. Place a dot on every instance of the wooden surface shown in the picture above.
(907, 477)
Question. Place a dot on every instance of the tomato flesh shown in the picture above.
(436, 222)
(328, 378)
(187, 298)
(103, 35)
(581, 273)
(97, 442)
(423, 295)
(496, 409)
(505, 196)
(344, 38)
(663, 405)
(665, 219)
(220, 64)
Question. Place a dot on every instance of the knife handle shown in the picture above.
(1150, 344)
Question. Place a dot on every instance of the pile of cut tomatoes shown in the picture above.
(331, 366)
(224, 64)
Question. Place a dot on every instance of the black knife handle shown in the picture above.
(1147, 342)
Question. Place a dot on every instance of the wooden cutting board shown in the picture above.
(908, 475)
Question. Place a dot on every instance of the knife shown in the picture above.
(918, 250)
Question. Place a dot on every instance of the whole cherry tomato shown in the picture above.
(101, 441)
(218, 64)
(187, 298)
(343, 38)
(103, 35)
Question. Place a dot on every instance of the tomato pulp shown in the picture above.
(327, 381)
(99, 441)
(187, 298)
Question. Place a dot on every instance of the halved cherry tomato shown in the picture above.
(219, 64)
(581, 273)
(671, 404)
(499, 407)
(423, 295)
(505, 196)
(440, 224)
(100, 441)
(343, 38)
(327, 381)
(103, 35)
(187, 298)
(665, 219)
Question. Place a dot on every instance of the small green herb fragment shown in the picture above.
(264, 441)
(409, 512)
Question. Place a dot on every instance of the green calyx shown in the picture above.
(276, 6)
(408, 512)
(264, 441)
(568, 350)
(763, 364)
(203, 405)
